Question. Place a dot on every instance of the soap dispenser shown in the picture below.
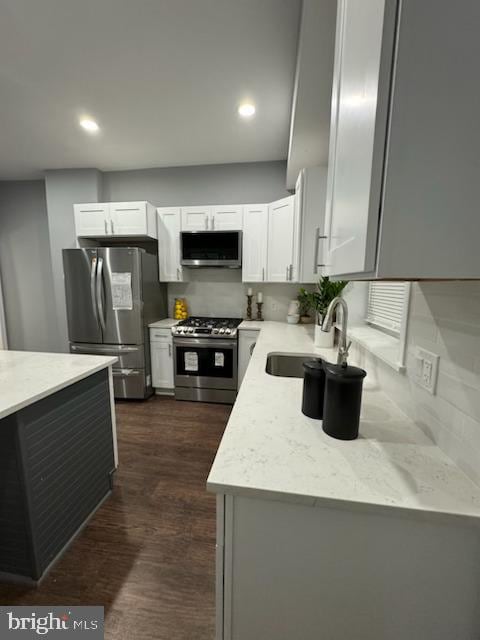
(343, 400)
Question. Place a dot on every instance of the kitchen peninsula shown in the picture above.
(316, 534)
(57, 454)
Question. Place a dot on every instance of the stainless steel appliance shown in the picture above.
(206, 359)
(112, 295)
(211, 249)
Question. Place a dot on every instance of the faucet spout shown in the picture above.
(327, 323)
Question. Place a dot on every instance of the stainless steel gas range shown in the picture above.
(205, 359)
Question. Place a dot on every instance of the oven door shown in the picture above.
(205, 363)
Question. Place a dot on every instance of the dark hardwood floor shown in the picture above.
(148, 555)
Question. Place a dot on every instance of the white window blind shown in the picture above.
(387, 305)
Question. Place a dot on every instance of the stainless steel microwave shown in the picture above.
(211, 249)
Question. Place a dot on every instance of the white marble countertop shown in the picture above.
(271, 450)
(26, 377)
(166, 323)
(253, 325)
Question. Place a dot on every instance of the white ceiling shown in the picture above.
(163, 78)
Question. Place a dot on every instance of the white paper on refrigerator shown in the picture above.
(191, 361)
(122, 297)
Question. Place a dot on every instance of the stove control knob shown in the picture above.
(227, 331)
(222, 330)
(180, 330)
(190, 330)
(214, 330)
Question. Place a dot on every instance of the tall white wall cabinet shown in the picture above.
(169, 225)
(403, 167)
(255, 243)
(117, 219)
(310, 200)
(282, 241)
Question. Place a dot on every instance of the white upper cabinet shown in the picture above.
(196, 218)
(403, 164)
(217, 218)
(227, 218)
(310, 201)
(169, 227)
(117, 219)
(255, 242)
(282, 241)
(91, 219)
(352, 224)
(133, 219)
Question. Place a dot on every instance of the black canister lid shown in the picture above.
(314, 367)
(341, 372)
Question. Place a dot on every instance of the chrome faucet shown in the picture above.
(343, 347)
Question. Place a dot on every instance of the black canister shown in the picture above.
(343, 400)
(313, 388)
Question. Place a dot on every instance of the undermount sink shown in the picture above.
(286, 365)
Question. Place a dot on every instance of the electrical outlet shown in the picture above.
(426, 369)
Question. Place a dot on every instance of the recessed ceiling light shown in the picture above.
(246, 110)
(89, 125)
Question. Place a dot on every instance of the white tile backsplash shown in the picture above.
(221, 292)
(444, 318)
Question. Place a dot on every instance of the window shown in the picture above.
(387, 306)
(384, 329)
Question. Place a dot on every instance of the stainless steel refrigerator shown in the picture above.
(112, 294)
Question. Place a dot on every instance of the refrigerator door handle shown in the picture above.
(99, 297)
(93, 273)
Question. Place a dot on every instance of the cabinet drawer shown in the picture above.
(160, 335)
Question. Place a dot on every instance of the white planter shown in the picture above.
(324, 339)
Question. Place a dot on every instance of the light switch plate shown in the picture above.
(426, 369)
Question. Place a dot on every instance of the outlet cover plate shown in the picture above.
(426, 369)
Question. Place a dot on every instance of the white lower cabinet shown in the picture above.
(246, 343)
(288, 570)
(161, 353)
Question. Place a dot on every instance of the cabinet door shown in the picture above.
(246, 344)
(169, 226)
(255, 241)
(227, 218)
(91, 219)
(162, 364)
(282, 235)
(357, 137)
(310, 201)
(128, 218)
(196, 218)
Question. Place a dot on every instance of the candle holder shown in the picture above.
(259, 311)
(249, 307)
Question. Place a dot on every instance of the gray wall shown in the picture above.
(64, 188)
(253, 182)
(25, 266)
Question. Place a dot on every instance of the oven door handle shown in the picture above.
(203, 342)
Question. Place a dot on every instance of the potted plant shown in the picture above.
(325, 292)
(306, 303)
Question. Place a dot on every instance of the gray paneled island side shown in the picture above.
(58, 452)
